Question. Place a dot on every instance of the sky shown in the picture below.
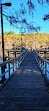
(37, 19)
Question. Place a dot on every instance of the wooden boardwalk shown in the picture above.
(27, 90)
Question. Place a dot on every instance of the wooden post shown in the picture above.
(45, 68)
(45, 54)
(3, 70)
(8, 55)
(41, 64)
(13, 66)
(15, 54)
(9, 63)
(9, 68)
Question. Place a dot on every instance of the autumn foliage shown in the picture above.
(37, 41)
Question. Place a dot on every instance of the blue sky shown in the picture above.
(37, 18)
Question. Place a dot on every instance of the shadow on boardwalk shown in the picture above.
(27, 89)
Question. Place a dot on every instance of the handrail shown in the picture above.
(42, 51)
(41, 57)
(8, 61)
(43, 64)
(15, 63)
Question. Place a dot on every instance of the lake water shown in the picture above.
(11, 70)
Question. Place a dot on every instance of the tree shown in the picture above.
(5, 33)
(20, 16)
(46, 17)
(11, 32)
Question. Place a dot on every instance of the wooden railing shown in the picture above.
(13, 52)
(43, 65)
(44, 53)
(5, 67)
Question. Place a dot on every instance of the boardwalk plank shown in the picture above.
(27, 90)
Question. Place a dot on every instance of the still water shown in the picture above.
(11, 70)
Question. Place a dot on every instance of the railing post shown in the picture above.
(41, 64)
(13, 66)
(45, 54)
(8, 55)
(45, 68)
(38, 59)
(3, 70)
(15, 54)
(9, 69)
(9, 63)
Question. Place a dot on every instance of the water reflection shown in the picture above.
(16, 64)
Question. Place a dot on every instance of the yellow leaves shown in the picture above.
(39, 39)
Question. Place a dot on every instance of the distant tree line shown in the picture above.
(10, 32)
